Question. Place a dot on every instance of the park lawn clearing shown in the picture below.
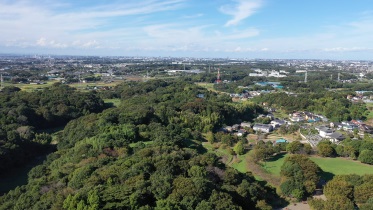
(341, 166)
(273, 166)
(115, 101)
(335, 166)
(208, 86)
(370, 108)
(240, 164)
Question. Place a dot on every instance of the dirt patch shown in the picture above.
(298, 206)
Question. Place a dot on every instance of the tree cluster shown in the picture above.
(300, 176)
(346, 191)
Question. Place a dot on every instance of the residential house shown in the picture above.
(336, 137)
(297, 119)
(324, 131)
(228, 128)
(335, 124)
(245, 125)
(270, 116)
(265, 128)
(235, 127)
(356, 122)
(241, 132)
(276, 123)
(366, 128)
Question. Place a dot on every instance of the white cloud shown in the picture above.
(41, 42)
(242, 10)
(54, 26)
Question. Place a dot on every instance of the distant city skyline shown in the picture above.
(264, 29)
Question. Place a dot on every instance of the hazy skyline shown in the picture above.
(217, 28)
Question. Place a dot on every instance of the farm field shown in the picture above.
(79, 86)
(31, 87)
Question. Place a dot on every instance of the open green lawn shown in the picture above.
(273, 166)
(370, 108)
(330, 166)
(339, 166)
(208, 86)
(114, 102)
(241, 165)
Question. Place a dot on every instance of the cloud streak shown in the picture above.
(241, 10)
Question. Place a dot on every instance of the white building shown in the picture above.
(263, 128)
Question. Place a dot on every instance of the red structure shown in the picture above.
(218, 77)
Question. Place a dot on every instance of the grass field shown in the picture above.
(240, 164)
(115, 102)
(273, 166)
(339, 166)
(208, 86)
(370, 108)
(330, 166)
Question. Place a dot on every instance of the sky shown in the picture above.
(273, 29)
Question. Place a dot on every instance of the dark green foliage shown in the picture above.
(334, 203)
(368, 205)
(300, 176)
(136, 156)
(343, 191)
(366, 156)
(325, 149)
(23, 114)
(295, 147)
(338, 187)
(239, 148)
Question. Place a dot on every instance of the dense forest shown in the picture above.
(144, 154)
(25, 118)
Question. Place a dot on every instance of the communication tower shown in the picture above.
(218, 79)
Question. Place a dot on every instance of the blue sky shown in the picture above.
(317, 29)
